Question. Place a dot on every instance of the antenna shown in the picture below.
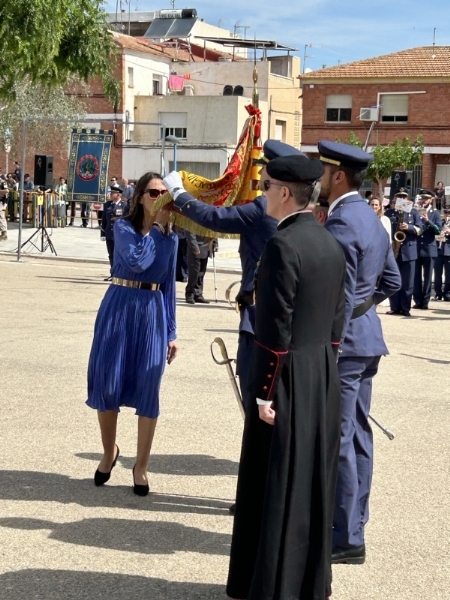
(434, 37)
(255, 95)
(172, 2)
(305, 56)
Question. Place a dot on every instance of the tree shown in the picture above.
(400, 154)
(47, 41)
(34, 99)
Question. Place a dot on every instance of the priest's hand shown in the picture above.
(172, 351)
(266, 413)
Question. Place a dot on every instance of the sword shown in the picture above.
(389, 434)
(228, 294)
(227, 361)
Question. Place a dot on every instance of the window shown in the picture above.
(280, 130)
(175, 123)
(130, 77)
(394, 108)
(157, 85)
(338, 108)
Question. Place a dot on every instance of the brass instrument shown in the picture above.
(445, 231)
(399, 235)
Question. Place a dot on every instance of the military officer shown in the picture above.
(442, 261)
(427, 249)
(372, 276)
(255, 228)
(114, 208)
(407, 256)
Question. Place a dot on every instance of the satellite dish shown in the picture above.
(308, 70)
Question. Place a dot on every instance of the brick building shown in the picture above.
(405, 94)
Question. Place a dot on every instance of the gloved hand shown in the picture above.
(174, 184)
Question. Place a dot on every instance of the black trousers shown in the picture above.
(182, 263)
(401, 300)
(110, 248)
(196, 274)
(422, 287)
(441, 265)
(243, 357)
(85, 213)
(71, 205)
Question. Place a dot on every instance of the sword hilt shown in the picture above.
(223, 350)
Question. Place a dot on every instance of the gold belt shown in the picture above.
(140, 285)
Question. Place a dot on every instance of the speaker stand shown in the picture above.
(40, 240)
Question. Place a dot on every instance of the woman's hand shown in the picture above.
(267, 414)
(162, 216)
(172, 351)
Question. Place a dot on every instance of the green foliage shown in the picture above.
(48, 41)
(400, 154)
(29, 100)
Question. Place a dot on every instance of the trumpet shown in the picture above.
(399, 236)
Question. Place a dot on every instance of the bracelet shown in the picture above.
(159, 226)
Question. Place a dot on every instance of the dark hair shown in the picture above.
(302, 192)
(136, 214)
(368, 194)
(354, 178)
(26, 175)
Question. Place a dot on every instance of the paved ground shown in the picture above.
(62, 538)
(84, 244)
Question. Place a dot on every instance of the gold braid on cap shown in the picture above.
(330, 161)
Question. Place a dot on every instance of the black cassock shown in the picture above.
(281, 545)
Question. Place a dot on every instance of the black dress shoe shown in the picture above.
(406, 313)
(201, 300)
(190, 299)
(101, 478)
(394, 312)
(348, 556)
(140, 490)
(417, 306)
(437, 298)
(424, 307)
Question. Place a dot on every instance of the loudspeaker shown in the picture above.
(398, 180)
(43, 170)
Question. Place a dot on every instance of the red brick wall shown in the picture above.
(428, 116)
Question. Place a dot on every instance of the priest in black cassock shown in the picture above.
(281, 545)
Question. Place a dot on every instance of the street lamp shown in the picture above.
(7, 147)
(172, 139)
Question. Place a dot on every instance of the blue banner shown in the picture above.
(90, 151)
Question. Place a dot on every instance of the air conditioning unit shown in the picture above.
(368, 114)
(188, 90)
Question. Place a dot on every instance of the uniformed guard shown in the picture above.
(255, 228)
(411, 225)
(427, 249)
(442, 261)
(372, 276)
(115, 208)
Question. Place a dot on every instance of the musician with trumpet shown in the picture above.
(406, 228)
(427, 249)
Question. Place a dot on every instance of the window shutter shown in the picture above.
(394, 105)
(173, 119)
(339, 101)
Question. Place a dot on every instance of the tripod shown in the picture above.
(40, 239)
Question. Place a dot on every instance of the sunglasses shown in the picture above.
(267, 183)
(153, 193)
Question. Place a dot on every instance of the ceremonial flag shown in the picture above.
(88, 165)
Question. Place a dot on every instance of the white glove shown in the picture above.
(174, 184)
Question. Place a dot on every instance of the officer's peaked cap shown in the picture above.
(295, 168)
(426, 193)
(274, 149)
(344, 155)
(116, 188)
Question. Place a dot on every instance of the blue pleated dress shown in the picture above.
(133, 326)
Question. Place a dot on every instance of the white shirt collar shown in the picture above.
(294, 213)
(335, 203)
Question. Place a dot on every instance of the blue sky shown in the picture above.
(348, 30)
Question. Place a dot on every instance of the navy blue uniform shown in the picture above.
(255, 228)
(371, 272)
(406, 259)
(427, 252)
(112, 211)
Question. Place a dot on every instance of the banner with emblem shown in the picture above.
(90, 152)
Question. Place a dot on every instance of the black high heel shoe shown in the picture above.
(101, 478)
(140, 490)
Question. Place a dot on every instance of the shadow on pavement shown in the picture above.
(200, 465)
(76, 585)
(431, 360)
(144, 537)
(52, 487)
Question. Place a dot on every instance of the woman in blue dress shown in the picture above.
(135, 329)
